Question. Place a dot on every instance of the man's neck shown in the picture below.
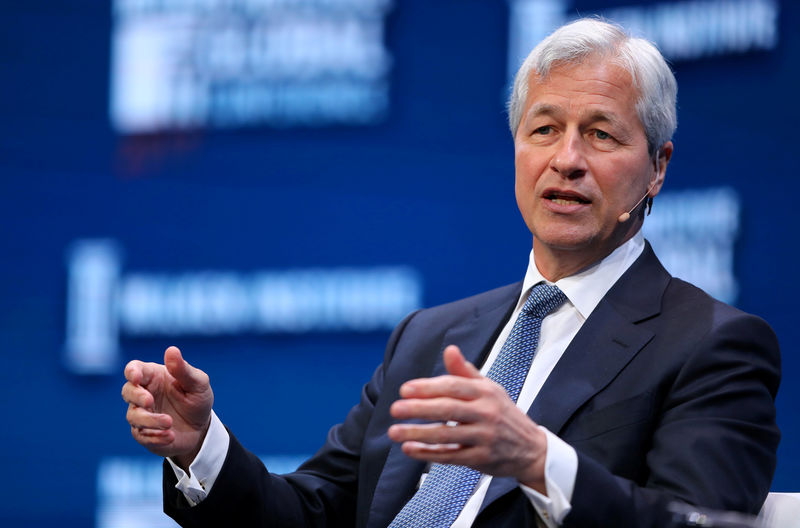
(557, 263)
(558, 268)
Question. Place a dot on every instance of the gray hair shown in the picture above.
(588, 37)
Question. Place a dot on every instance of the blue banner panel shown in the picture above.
(271, 185)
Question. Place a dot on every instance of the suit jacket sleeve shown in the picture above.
(322, 492)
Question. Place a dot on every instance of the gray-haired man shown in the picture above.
(631, 390)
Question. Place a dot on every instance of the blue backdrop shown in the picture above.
(423, 185)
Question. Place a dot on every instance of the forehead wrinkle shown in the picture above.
(618, 84)
(612, 74)
(546, 109)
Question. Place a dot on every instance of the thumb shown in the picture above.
(190, 379)
(458, 366)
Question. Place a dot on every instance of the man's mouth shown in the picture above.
(565, 198)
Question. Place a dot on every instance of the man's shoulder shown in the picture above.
(679, 290)
(687, 314)
(682, 296)
(455, 312)
(487, 300)
(648, 290)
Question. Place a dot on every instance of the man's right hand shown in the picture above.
(169, 406)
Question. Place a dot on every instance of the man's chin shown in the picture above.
(565, 240)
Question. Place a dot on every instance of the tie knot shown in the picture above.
(543, 300)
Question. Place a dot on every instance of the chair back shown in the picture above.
(781, 510)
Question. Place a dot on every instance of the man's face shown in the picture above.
(581, 161)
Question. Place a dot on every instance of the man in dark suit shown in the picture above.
(642, 390)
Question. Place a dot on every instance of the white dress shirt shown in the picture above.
(583, 291)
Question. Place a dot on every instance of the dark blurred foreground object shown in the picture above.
(780, 510)
(685, 515)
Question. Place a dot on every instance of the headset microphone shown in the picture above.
(624, 217)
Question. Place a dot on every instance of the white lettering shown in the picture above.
(189, 63)
(102, 302)
(682, 30)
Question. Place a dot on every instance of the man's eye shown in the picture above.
(543, 130)
(599, 134)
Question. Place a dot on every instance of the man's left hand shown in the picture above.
(475, 424)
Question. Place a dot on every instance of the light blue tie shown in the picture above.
(447, 488)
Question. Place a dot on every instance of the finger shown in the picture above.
(138, 396)
(435, 409)
(444, 454)
(456, 365)
(428, 449)
(153, 433)
(141, 373)
(154, 439)
(441, 386)
(144, 419)
(190, 379)
(439, 435)
(133, 372)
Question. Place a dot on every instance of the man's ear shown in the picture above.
(660, 162)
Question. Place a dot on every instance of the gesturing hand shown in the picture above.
(169, 406)
(492, 434)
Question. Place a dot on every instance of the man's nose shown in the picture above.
(569, 158)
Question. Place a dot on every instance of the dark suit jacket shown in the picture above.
(665, 393)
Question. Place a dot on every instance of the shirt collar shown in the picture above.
(585, 289)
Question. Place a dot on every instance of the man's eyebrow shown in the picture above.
(546, 109)
(607, 117)
(621, 129)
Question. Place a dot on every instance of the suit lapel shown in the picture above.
(606, 342)
(475, 338)
(603, 346)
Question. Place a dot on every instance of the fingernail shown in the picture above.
(407, 390)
